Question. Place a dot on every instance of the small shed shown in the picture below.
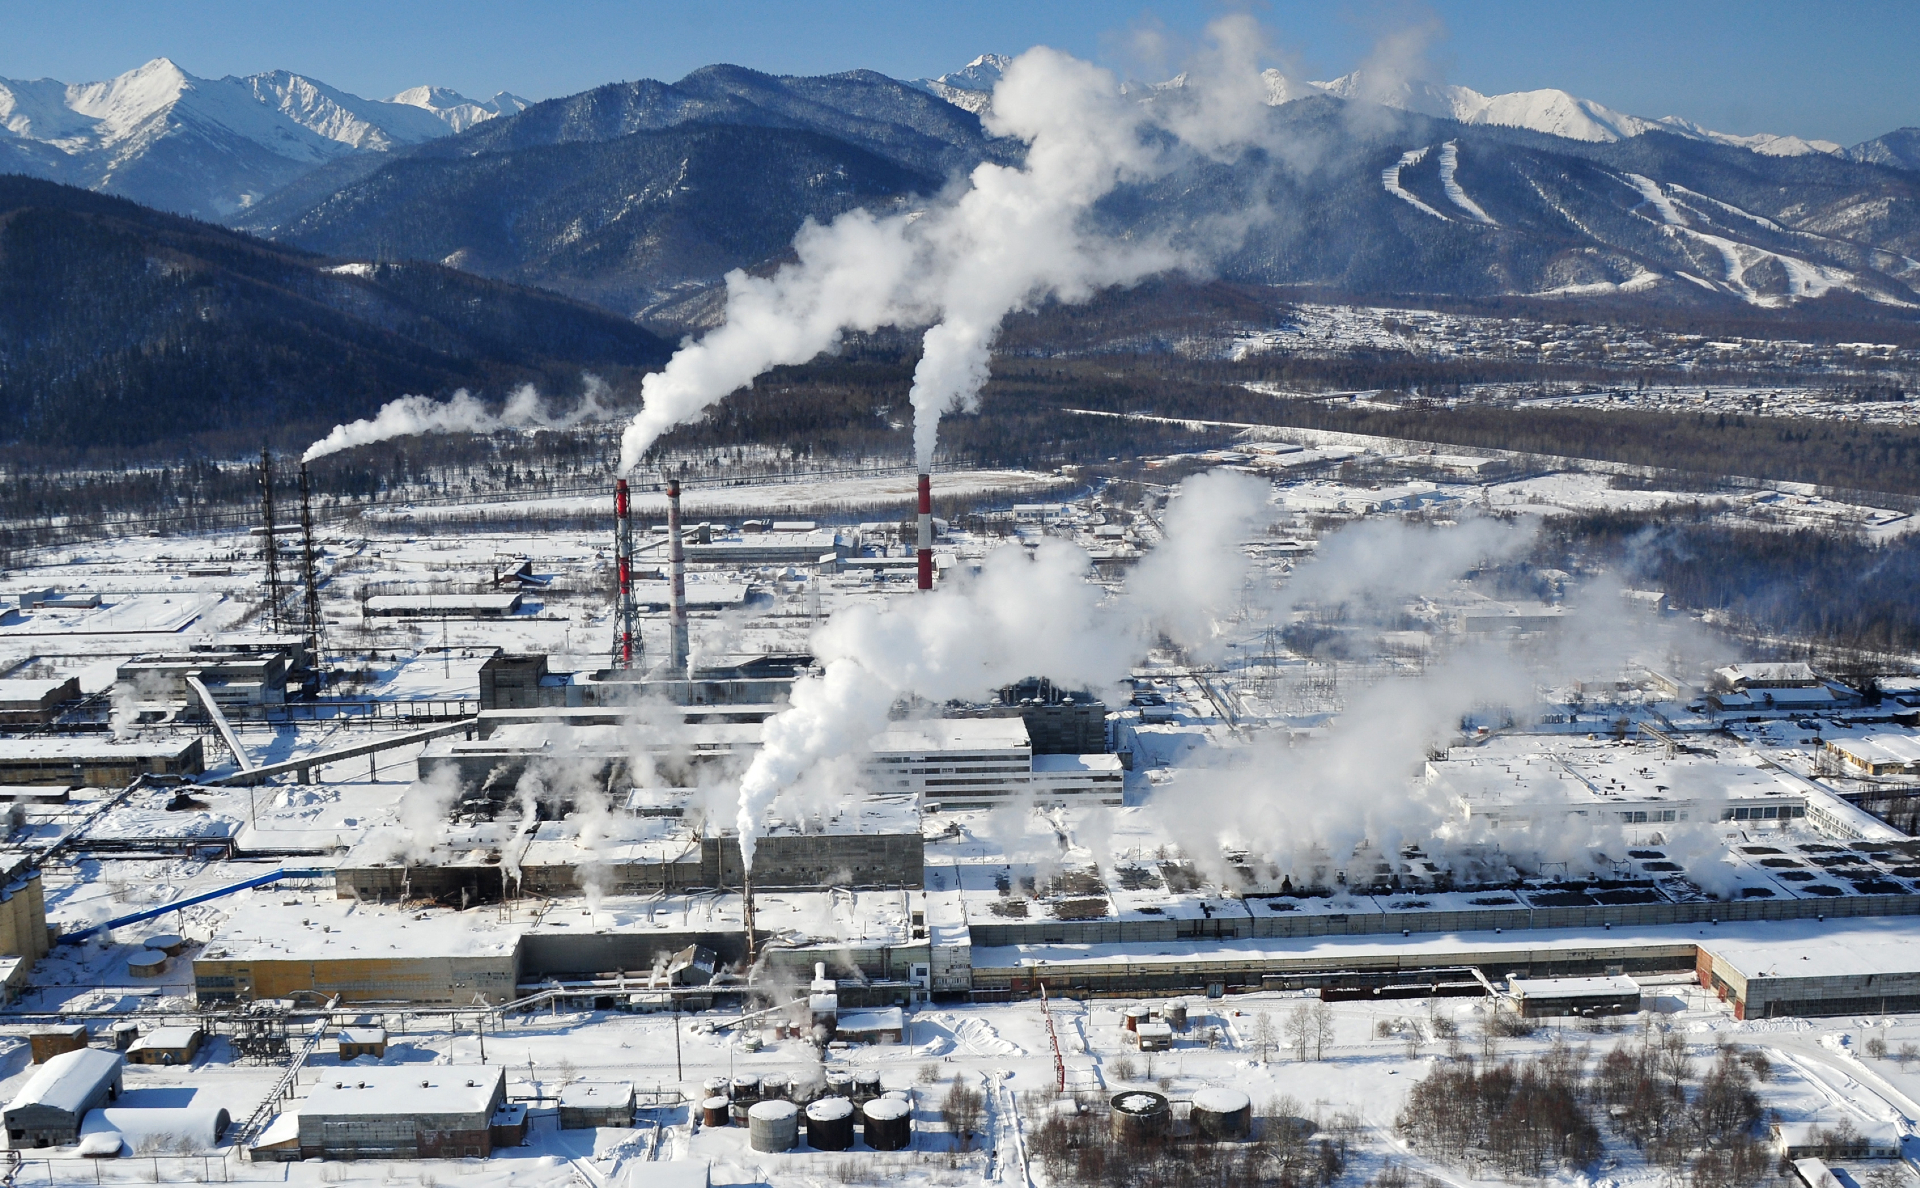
(49, 1108)
(166, 1045)
(356, 1042)
(885, 1026)
(52, 1041)
(1614, 994)
(587, 1104)
(1156, 1037)
(279, 1142)
(508, 1126)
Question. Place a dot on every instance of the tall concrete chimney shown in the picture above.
(926, 532)
(677, 557)
(623, 552)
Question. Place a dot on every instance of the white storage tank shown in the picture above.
(773, 1126)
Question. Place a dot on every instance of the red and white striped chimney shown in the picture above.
(677, 558)
(926, 532)
(623, 552)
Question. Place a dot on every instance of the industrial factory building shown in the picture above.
(1802, 970)
(271, 949)
(519, 681)
(49, 1108)
(238, 681)
(971, 762)
(859, 842)
(1059, 721)
(96, 761)
(415, 1112)
(442, 606)
(1511, 789)
(36, 702)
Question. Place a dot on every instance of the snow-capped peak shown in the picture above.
(1552, 111)
(971, 86)
(457, 111)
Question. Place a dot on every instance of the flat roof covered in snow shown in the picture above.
(924, 735)
(263, 928)
(407, 1091)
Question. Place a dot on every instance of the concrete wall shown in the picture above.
(425, 980)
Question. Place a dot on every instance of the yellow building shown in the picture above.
(360, 952)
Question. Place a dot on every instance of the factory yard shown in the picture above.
(481, 905)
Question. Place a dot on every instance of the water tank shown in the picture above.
(713, 1111)
(775, 1087)
(1175, 1013)
(715, 1087)
(746, 1088)
(866, 1086)
(889, 1124)
(1222, 1115)
(839, 1084)
(830, 1124)
(1140, 1117)
(773, 1126)
(147, 963)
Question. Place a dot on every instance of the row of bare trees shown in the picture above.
(1286, 1150)
(1529, 1115)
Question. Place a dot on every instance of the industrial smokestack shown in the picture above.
(676, 555)
(926, 532)
(623, 553)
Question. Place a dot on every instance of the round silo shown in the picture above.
(889, 1124)
(1175, 1013)
(773, 1126)
(1140, 1117)
(866, 1086)
(830, 1124)
(147, 963)
(713, 1111)
(1222, 1115)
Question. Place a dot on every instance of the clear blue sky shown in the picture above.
(1843, 70)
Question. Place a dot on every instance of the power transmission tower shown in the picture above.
(316, 625)
(272, 548)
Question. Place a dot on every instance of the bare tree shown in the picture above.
(1322, 1017)
(1262, 1038)
(1300, 1030)
(962, 1111)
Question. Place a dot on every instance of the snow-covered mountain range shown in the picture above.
(1554, 112)
(210, 147)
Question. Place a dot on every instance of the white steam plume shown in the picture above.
(1019, 617)
(1011, 238)
(416, 416)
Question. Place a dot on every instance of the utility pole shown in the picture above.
(678, 1075)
